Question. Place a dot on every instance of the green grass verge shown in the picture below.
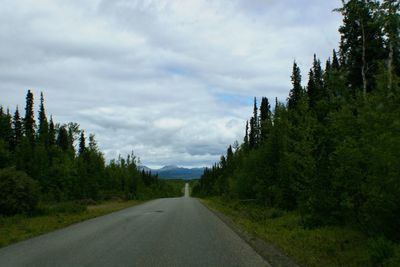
(55, 216)
(325, 246)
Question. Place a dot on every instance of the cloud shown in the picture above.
(171, 80)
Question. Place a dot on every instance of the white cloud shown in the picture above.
(171, 80)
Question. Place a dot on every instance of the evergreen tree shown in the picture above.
(43, 131)
(17, 130)
(6, 127)
(254, 127)
(48, 157)
(315, 87)
(62, 138)
(52, 132)
(229, 155)
(29, 120)
(311, 89)
(328, 154)
(5, 134)
(328, 65)
(335, 61)
(265, 119)
(361, 45)
(335, 85)
(82, 146)
(296, 93)
(318, 79)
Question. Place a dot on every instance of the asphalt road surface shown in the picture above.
(162, 232)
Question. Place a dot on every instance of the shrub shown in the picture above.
(380, 249)
(18, 192)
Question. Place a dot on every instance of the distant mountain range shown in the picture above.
(175, 172)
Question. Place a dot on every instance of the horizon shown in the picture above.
(157, 167)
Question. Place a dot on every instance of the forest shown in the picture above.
(329, 154)
(46, 162)
(332, 151)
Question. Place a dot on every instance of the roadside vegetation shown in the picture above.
(330, 245)
(52, 176)
(51, 216)
(45, 161)
(327, 160)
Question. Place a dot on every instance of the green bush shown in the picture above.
(380, 250)
(393, 261)
(18, 192)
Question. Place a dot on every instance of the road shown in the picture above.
(162, 232)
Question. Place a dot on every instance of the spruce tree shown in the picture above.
(328, 65)
(29, 120)
(265, 119)
(361, 45)
(6, 127)
(315, 87)
(17, 130)
(318, 79)
(296, 93)
(43, 131)
(62, 138)
(9, 129)
(311, 89)
(265, 109)
(229, 155)
(254, 127)
(52, 132)
(335, 61)
(82, 146)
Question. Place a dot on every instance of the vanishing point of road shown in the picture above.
(161, 232)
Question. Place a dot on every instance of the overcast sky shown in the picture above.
(171, 80)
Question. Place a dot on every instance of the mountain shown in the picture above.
(168, 167)
(175, 172)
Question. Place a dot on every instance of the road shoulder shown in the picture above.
(266, 250)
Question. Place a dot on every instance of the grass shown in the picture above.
(325, 246)
(52, 217)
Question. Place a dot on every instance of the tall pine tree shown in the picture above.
(29, 120)
(254, 127)
(52, 132)
(265, 119)
(82, 146)
(17, 130)
(43, 131)
(361, 45)
(296, 93)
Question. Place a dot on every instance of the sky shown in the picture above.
(171, 80)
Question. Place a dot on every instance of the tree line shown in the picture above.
(41, 160)
(332, 151)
